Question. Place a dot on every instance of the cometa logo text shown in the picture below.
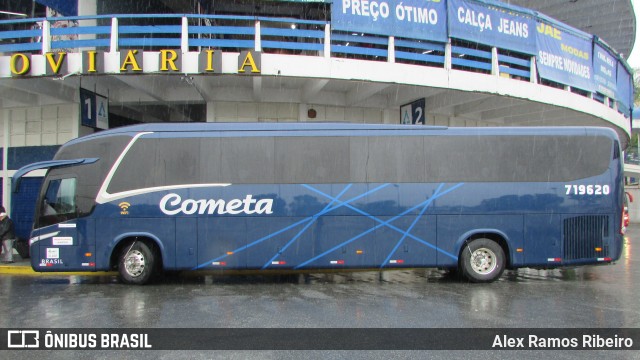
(172, 204)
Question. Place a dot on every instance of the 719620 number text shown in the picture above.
(594, 190)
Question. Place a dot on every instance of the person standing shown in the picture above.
(7, 236)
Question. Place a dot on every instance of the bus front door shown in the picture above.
(62, 239)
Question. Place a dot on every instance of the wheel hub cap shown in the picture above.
(134, 263)
(483, 261)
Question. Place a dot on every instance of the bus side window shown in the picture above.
(59, 202)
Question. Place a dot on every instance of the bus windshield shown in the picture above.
(59, 202)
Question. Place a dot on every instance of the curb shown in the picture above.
(27, 270)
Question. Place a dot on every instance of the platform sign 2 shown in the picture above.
(94, 109)
(413, 113)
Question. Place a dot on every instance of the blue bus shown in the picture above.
(306, 196)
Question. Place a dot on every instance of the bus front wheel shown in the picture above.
(482, 260)
(136, 263)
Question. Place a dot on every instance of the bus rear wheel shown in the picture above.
(136, 263)
(482, 260)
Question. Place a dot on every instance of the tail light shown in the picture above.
(626, 218)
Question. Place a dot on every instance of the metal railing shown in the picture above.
(192, 32)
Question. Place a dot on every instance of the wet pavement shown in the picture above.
(584, 297)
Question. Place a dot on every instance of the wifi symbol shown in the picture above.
(124, 206)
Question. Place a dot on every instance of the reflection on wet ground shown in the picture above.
(588, 296)
(581, 297)
(400, 276)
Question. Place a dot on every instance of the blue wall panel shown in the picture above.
(23, 202)
(23, 205)
(24, 155)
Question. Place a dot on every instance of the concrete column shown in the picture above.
(184, 40)
(386, 116)
(327, 41)
(87, 8)
(495, 64)
(211, 112)
(46, 37)
(258, 38)
(77, 119)
(302, 112)
(113, 43)
(447, 55)
(533, 71)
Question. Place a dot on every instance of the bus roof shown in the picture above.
(257, 126)
(316, 129)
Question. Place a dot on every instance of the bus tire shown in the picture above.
(482, 260)
(136, 263)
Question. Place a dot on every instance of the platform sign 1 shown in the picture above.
(413, 113)
(94, 109)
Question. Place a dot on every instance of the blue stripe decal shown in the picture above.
(385, 223)
(254, 243)
(242, 248)
(382, 222)
(371, 216)
(405, 234)
(315, 217)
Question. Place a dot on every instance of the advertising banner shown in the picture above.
(605, 68)
(416, 19)
(624, 88)
(491, 25)
(564, 57)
